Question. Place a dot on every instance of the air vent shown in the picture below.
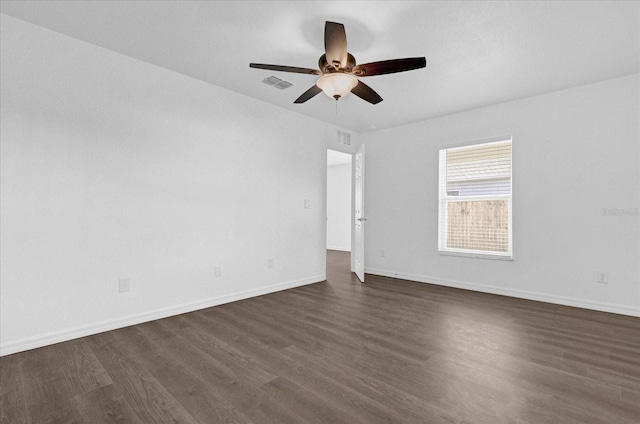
(344, 138)
(271, 80)
(277, 82)
(282, 85)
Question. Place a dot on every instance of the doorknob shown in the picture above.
(362, 219)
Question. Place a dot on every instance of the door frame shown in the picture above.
(359, 216)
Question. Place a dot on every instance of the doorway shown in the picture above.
(339, 201)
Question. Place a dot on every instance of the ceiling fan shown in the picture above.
(339, 72)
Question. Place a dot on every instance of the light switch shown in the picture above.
(123, 285)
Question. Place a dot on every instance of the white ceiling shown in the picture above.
(478, 53)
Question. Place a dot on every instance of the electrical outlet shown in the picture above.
(382, 253)
(601, 276)
(123, 285)
(217, 271)
(307, 204)
(270, 263)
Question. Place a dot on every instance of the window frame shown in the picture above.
(444, 200)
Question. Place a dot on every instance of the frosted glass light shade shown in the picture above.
(337, 85)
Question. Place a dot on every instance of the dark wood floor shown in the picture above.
(389, 351)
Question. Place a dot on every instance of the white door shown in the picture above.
(359, 214)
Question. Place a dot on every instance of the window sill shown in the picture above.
(475, 255)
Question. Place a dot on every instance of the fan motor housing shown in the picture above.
(327, 67)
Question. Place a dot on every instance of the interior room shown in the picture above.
(339, 201)
(320, 212)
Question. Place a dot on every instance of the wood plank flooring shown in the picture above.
(388, 351)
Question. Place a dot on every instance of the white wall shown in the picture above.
(339, 207)
(113, 168)
(575, 152)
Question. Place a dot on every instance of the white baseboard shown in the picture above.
(522, 294)
(341, 249)
(99, 327)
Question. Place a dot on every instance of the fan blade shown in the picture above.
(389, 66)
(285, 68)
(335, 44)
(365, 92)
(308, 94)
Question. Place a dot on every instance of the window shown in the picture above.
(475, 200)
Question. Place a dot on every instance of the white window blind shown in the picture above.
(475, 200)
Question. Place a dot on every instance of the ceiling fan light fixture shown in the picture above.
(337, 84)
(339, 72)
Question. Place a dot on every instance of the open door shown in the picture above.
(359, 214)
